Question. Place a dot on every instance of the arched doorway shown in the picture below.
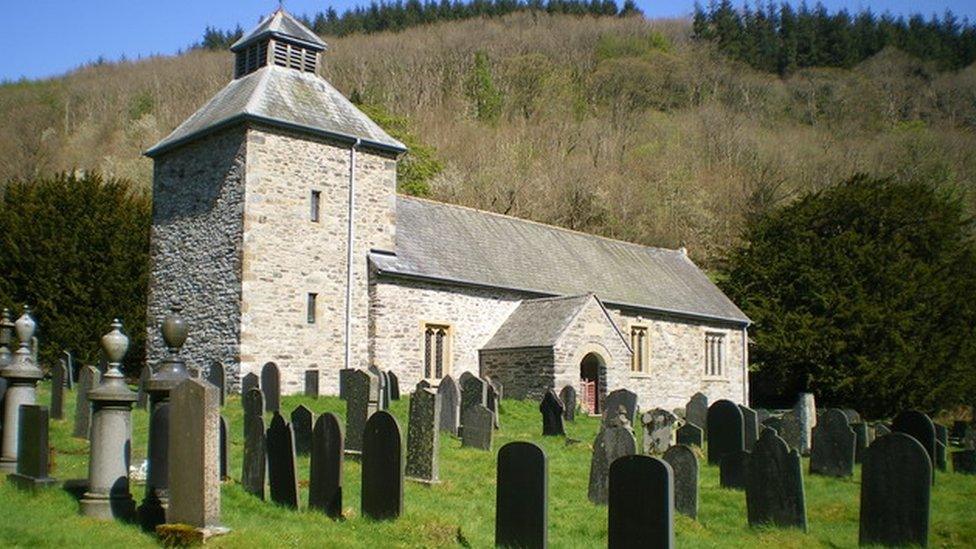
(590, 368)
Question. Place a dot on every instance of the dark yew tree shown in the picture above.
(865, 294)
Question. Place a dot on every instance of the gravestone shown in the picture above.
(301, 425)
(689, 434)
(832, 452)
(616, 399)
(422, 384)
(806, 411)
(69, 363)
(791, 430)
(641, 503)
(964, 462)
(479, 427)
(725, 430)
(568, 397)
(325, 470)
(852, 415)
(217, 376)
(142, 396)
(360, 386)
(497, 386)
(382, 480)
(733, 470)
(881, 429)
(423, 437)
(684, 465)
(613, 441)
(88, 380)
(658, 430)
(762, 415)
(312, 383)
(941, 446)
(255, 443)
(552, 410)
(343, 380)
(194, 472)
(696, 411)
(474, 392)
(774, 484)
(32, 449)
(775, 423)
(450, 399)
(862, 439)
(271, 387)
(380, 395)
(521, 497)
(251, 381)
(282, 475)
(384, 390)
(896, 477)
(492, 401)
(918, 425)
(58, 373)
(224, 448)
(750, 427)
(394, 385)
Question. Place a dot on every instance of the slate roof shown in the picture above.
(281, 24)
(286, 98)
(540, 322)
(462, 245)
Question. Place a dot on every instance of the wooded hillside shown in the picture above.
(620, 126)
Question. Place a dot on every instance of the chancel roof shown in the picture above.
(455, 244)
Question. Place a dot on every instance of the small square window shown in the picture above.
(316, 201)
(312, 298)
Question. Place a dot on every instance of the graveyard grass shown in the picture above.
(460, 510)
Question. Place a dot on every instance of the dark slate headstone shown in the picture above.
(492, 401)
(896, 484)
(958, 430)
(88, 380)
(385, 391)
(612, 442)
(271, 387)
(881, 429)
(774, 484)
(382, 481)
(791, 430)
(774, 422)
(497, 386)
(568, 397)
(69, 362)
(255, 443)
(422, 384)
(474, 392)
(750, 426)
(343, 381)
(380, 396)
(919, 426)
(217, 376)
(142, 397)
(224, 449)
(325, 471)
(616, 399)
(479, 427)
(964, 462)
(450, 399)
(423, 437)
(684, 465)
(641, 503)
(690, 435)
(725, 430)
(394, 385)
(658, 430)
(32, 449)
(862, 439)
(696, 411)
(312, 383)
(301, 424)
(552, 410)
(522, 496)
(58, 373)
(832, 451)
(282, 476)
(250, 381)
(851, 415)
(360, 387)
(941, 459)
(733, 470)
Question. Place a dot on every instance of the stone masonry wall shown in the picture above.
(287, 256)
(401, 307)
(524, 373)
(592, 331)
(195, 247)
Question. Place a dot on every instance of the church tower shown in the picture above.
(266, 202)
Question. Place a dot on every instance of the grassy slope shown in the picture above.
(461, 507)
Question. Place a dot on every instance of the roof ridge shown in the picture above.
(546, 225)
(557, 297)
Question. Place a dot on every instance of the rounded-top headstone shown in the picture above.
(774, 484)
(896, 489)
(684, 465)
(641, 503)
(383, 467)
(917, 425)
(521, 500)
(725, 429)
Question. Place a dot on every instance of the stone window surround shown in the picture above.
(722, 357)
(645, 352)
(448, 350)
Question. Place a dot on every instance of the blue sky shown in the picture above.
(50, 37)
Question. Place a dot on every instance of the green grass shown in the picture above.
(461, 508)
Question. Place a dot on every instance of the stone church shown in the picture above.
(278, 232)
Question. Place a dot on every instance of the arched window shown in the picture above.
(437, 350)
